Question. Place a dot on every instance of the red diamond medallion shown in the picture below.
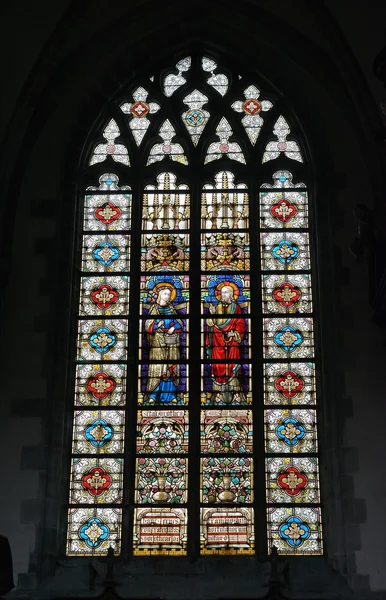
(100, 385)
(96, 481)
(289, 384)
(252, 106)
(286, 294)
(139, 109)
(292, 481)
(107, 213)
(104, 296)
(283, 210)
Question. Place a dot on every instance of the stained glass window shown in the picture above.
(195, 413)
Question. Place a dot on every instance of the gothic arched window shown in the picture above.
(195, 408)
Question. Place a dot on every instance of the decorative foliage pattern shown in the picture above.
(224, 148)
(186, 271)
(138, 111)
(118, 152)
(167, 148)
(290, 148)
(291, 466)
(251, 107)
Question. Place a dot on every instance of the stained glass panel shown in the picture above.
(196, 117)
(118, 152)
(172, 82)
(289, 383)
(105, 253)
(225, 339)
(226, 480)
(225, 252)
(162, 384)
(233, 389)
(109, 211)
(167, 149)
(290, 148)
(107, 296)
(295, 530)
(167, 205)
(227, 431)
(218, 81)
(292, 479)
(288, 338)
(252, 106)
(287, 293)
(224, 209)
(283, 209)
(98, 432)
(223, 148)
(100, 385)
(225, 295)
(164, 337)
(290, 431)
(96, 480)
(102, 339)
(138, 111)
(160, 531)
(227, 531)
(161, 480)
(162, 432)
(285, 251)
(165, 252)
(92, 531)
(161, 292)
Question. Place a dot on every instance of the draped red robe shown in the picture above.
(220, 347)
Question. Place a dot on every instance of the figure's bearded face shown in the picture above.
(226, 294)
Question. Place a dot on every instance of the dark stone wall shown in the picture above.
(83, 69)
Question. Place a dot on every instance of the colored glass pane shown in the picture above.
(173, 81)
(292, 479)
(288, 338)
(225, 251)
(219, 81)
(163, 384)
(98, 432)
(164, 337)
(100, 385)
(227, 531)
(160, 531)
(295, 530)
(289, 148)
(225, 205)
(162, 432)
(105, 253)
(226, 339)
(287, 293)
(227, 431)
(92, 531)
(110, 210)
(283, 209)
(165, 252)
(285, 251)
(117, 151)
(168, 148)
(172, 290)
(227, 480)
(96, 480)
(290, 431)
(225, 294)
(107, 296)
(138, 111)
(161, 480)
(251, 108)
(167, 205)
(223, 148)
(196, 117)
(289, 383)
(232, 390)
(102, 339)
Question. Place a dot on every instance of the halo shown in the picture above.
(236, 291)
(164, 284)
